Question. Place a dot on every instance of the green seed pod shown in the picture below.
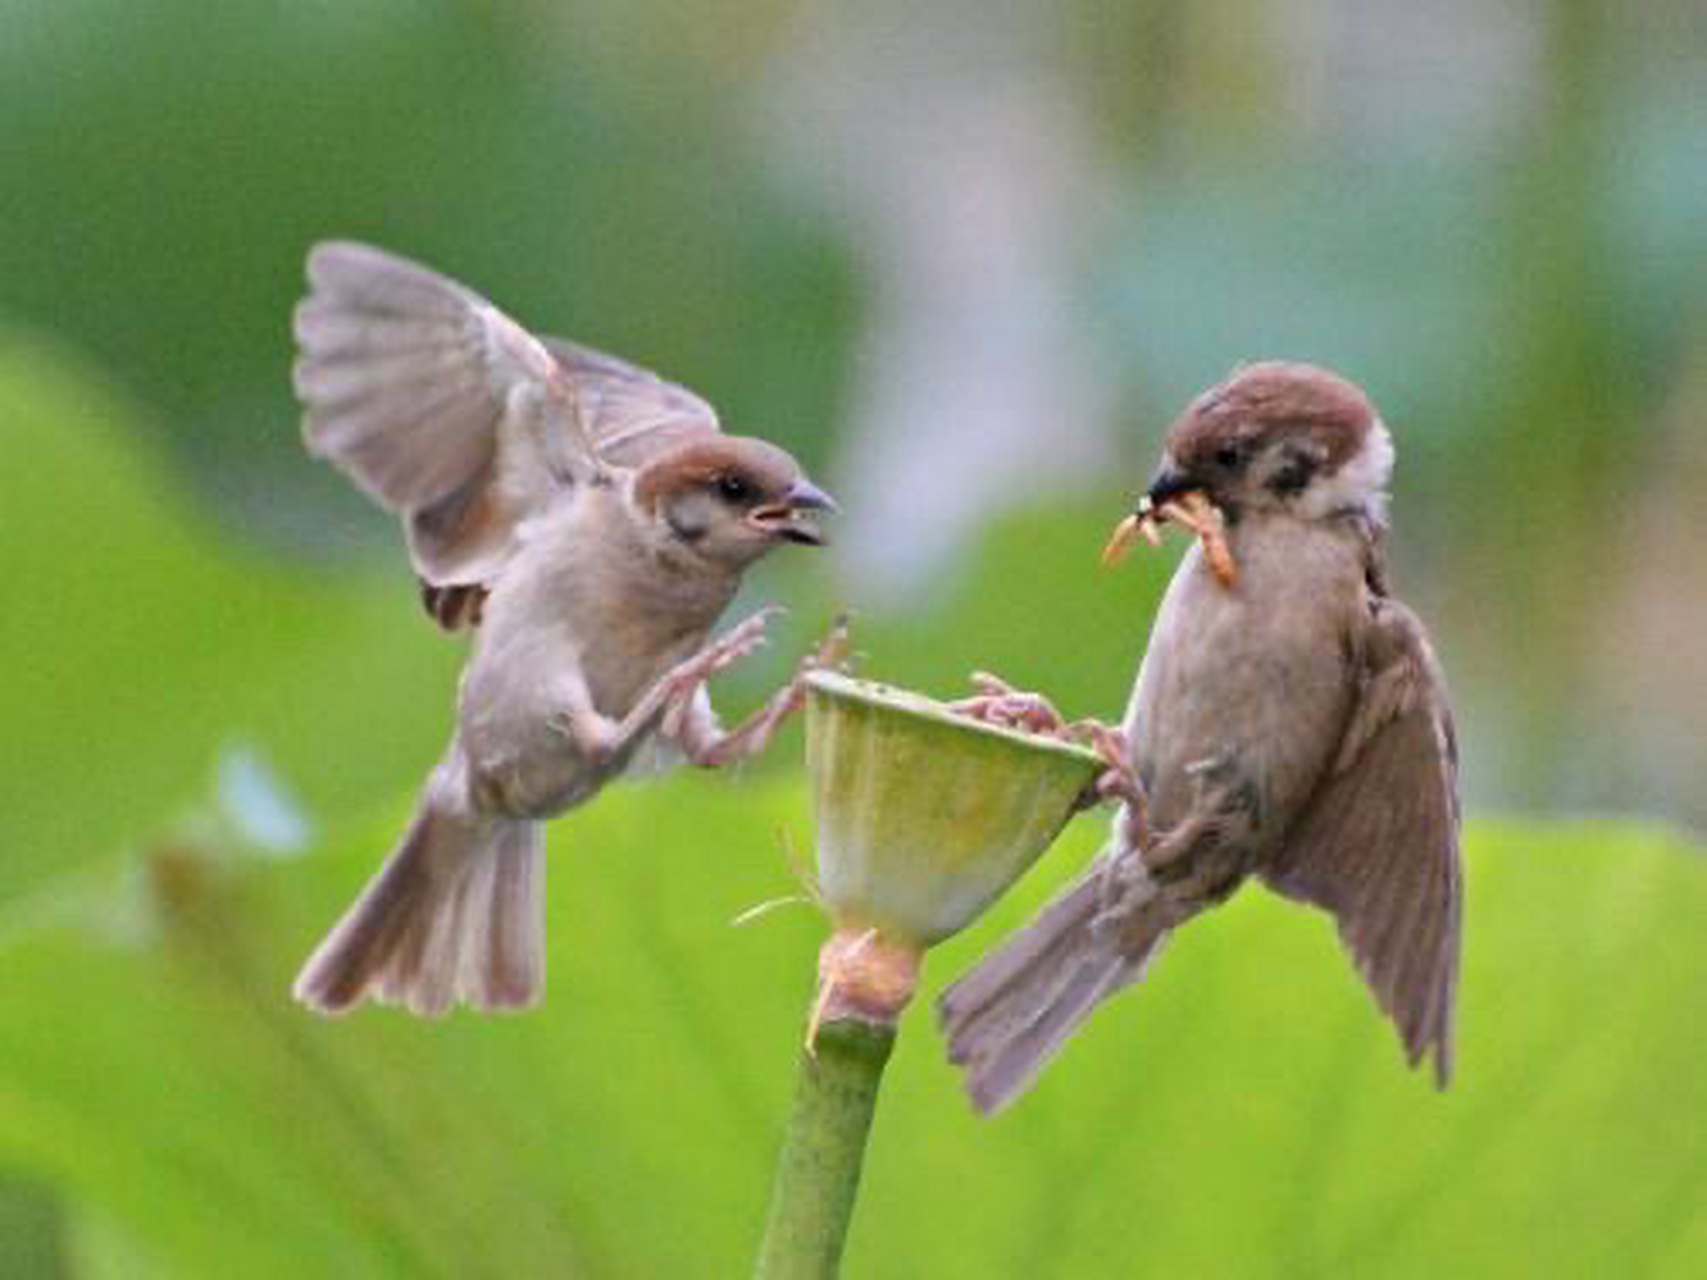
(924, 819)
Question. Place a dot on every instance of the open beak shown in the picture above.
(791, 519)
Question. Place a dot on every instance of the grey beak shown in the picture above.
(803, 495)
(1169, 482)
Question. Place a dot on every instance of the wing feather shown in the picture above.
(430, 399)
(1379, 844)
(629, 414)
(444, 410)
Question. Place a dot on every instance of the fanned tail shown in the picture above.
(1011, 1014)
(454, 916)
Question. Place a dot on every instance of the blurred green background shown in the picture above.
(967, 261)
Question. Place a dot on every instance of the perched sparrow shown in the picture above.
(589, 522)
(1289, 722)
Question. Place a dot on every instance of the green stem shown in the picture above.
(817, 1175)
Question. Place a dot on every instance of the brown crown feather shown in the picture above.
(770, 470)
(1276, 397)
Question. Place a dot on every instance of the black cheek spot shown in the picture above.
(1293, 475)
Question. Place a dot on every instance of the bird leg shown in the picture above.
(1118, 782)
(601, 737)
(1144, 862)
(1134, 874)
(1223, 800)
(690, 722)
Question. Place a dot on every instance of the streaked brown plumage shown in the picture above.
(590, 522)
(1293, 726)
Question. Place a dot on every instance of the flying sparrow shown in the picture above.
(588, 522)
(1289, 722)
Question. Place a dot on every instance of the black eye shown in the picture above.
(1228, 456)
(734, 488)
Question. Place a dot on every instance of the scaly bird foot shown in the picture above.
(999, 703)
(753, 736)
(720, 654)
(1118, 781)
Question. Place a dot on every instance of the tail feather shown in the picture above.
(454, 916)
(1012, 1066)
(1007, 1018)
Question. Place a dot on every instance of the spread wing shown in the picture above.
(629, 414)
(436, 404)
(1378, 845)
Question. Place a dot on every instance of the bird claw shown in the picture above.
(990, 685)
(1117, 781)
(719, 655)
(832, 652)
(755, 734)
(999, 703)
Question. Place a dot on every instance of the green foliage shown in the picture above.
(136, 645)
(1245, 1113)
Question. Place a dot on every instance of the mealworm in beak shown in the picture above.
(1204, 519)
(1193, 511)
(1120, 541)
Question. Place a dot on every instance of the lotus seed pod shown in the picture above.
(925, 817)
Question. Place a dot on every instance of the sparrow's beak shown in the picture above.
(806, 496)
(1170, 481)
(789, 519)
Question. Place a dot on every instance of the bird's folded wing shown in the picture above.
(1378, 844)
(436, 404)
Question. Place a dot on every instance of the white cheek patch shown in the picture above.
(1360, 485)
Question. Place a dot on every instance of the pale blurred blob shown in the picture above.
(961, 167)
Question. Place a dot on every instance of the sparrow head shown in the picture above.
(731, 498)
(1278, 436)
